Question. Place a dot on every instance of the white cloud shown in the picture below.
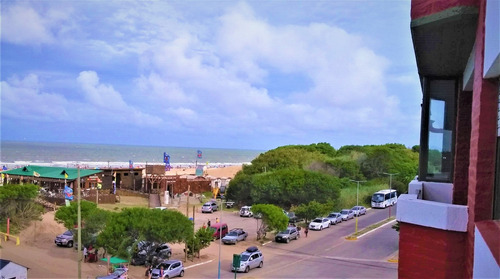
(25, 25)
(25, 99)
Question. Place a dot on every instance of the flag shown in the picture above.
(65, 175)
(4, 168)
(36, 174)
(130, 164)
(199, 154)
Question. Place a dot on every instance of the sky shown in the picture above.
(220, 74)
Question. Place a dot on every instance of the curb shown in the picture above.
(198, 264)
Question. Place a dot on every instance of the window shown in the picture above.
(437, 130)
(496, 190)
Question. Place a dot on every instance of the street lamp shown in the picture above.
(390, 188)
(357, 201)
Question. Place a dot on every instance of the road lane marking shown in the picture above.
(195, 265)
(360, 236)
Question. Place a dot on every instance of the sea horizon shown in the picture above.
(15, 154)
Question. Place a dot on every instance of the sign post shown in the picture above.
(236, 263)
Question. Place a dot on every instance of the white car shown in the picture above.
(246, 211)
(347, 214)
(319, 224)
(359, 210)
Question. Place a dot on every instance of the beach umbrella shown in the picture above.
(114, 260)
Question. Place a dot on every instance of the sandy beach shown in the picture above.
(222, 171)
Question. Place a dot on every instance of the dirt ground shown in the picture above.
(44, 259)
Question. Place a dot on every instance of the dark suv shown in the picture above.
(289, 234)
(151, 253)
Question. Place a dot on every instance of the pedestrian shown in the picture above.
(149, 271)
(204, 226)
(217, 220)
(306, 231)
(208, 223)
(85, 253)
(162, 272)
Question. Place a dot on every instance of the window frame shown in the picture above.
(427, 96)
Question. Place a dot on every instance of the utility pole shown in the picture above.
(79, 222)
(187, 215)
(390, 188)
(357, 202)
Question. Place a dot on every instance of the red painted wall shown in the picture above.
(430, 253)
(421, 8)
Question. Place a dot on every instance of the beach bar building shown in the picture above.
(449, 220)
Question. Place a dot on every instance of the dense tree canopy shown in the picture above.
(126, 228)
(68, 215)
(298, 174)
(17, 202)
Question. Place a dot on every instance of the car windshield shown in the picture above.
(317, 221)
(344, 212)
(207, 204)
(165, 266)
(332, 215)
(378, 197)
(233, 233)
(355, 208)
(68, 233)
(244, 257)
(285, 232)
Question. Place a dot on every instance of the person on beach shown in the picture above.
(208, 223)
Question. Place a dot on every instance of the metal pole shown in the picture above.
(357, 202)
(220, 237)
(390, 188)
(79, 220)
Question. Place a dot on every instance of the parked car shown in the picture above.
(151, 253)
(119, 273)
(292, 218)
(65, 239)
(234, 236)
(347, 214)
(289, 234)
(246, 211)
(171, 268)
(359, 210)
(251, 258)
(319, 224)
(229, 204)
(334, 218)
(219, 229)
(209, 207)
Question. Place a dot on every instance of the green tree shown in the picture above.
(312, 210)
(126, 228)
(201, 240)
(68, 215)
(239, 188)
(273, 218)
(17, 202)
(288, 187)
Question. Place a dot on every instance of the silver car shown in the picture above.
(287, 235)
(171, 268)
(347, 214)
(209, 207)
(359, 210)
(334, 218)
(234, 236)
(251, 258)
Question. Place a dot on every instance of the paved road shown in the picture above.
(323, 254)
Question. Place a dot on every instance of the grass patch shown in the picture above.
(125, 202)
(370, 228)
(348, 195)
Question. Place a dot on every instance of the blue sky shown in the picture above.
(222, 74)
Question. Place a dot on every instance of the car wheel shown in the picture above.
(321, 228)
(169, 254)
(288, 240)
(247, 269)
(181, 274)
(261, 264)
(297, 237)
(70, 244)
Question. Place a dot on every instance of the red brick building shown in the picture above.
(449, 220)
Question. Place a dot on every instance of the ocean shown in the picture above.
(15, 154)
